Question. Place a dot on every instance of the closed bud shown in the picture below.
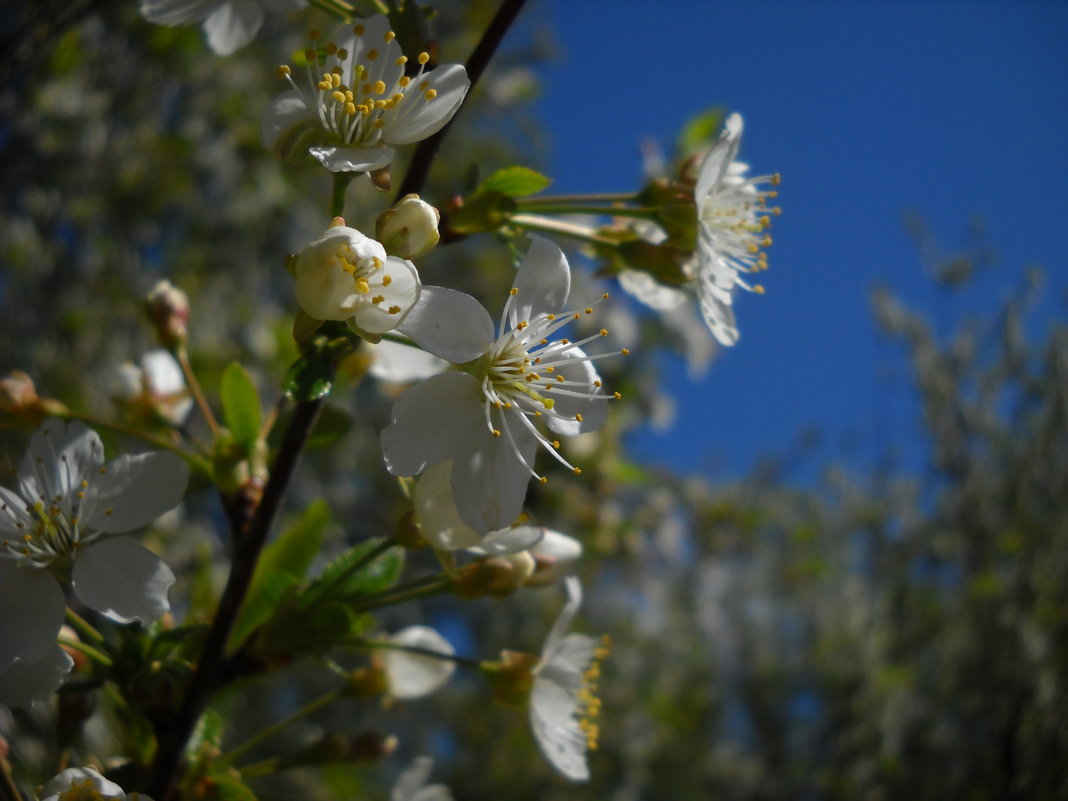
(500, 576)
(409, 229)
(553, 556)
(168, 310)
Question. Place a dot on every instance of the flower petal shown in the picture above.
(646, 289)
(718, 314)
(59, 456)
(123, 580)
(26, 682)
(718, 160)
(285, 122)
(578, 369)
(101, 787)
(233, 26)
(176, 12)
(411, 784)
(449, 324)
(417, 117)
(400, 364)
(414, 675)
(508, 541)
(352, 159)
(489, 480)
(401, 293)
(136, 490)
(543, 282)
(31, 612)
(432, 422)
(436, 512)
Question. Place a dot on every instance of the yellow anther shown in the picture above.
(387, 280)
(604, 296)
(424, 57)
(378, 123)
(578, 417)
(578, 471)
(310, 55)
(548, 369)
(543, 479)
(372, 54)
(400, 62)
(107, 512)
(597, 383)
(617, 396)
(603, 332)
(767, 242)
(431, 94)
(560, 378)
(380, 87)
(565, 341)
(521, 325)
(556, 444)
(394, 310)
(358, 29)
(625, 352)
(362, 286)
(314, 34)
(284, 70)
(496, 432)
(424, 86)
(335, 79)
(776, 179)
(390, 36)
(338, 96)
(588, 310)
(758, 288)
(350, 109)
(378, 299)
(544, 342)
(342, 53)
(403, 82)
(753, 248)
(331, 48)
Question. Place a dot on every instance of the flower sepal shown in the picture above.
(512, 678)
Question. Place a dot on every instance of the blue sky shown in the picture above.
(868, 110)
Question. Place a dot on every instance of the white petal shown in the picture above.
(233, 26)
(563, 621)
(489, 481)
(162, 372)
(26, 682)
(563, 743)
(402, 293)
(507, 541)
(282, 122)
(12, 512)
(414, 675)
(432, 422)
(719, 158)
(436, 513)
(401, 364)
(543, 281)
(81, 776)
(59, 455)
(411, 784)
(352, 159)
(176, 12)
(31, 612)
(417, 118)
(553, 556)
(123, 580)
(136, 490)
(646, 289)
(718, 315)
(449, 324)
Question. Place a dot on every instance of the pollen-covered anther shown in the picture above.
(625, 351)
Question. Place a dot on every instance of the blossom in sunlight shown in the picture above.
(413, 675)
(356, 101)
(563, 704)
(412, 785)
(52, 526)
(228, 24)
(156, 386)
(733, 219)
(85, 784)
(482, 415)
(344, 275)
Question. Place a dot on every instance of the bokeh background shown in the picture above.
(840, 574)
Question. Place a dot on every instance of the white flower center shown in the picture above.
(352, 99)
(368, 273)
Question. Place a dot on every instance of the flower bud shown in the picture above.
(19, 400)
(409, 229)
(168, 310)
(153, 392)
(500, 576)
(553, 556)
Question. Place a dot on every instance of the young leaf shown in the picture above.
(241, 405)
(344, 578)
(283, 564)
(514, 182)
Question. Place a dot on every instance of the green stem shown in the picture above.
(310, 708)
(84, 627)
(337, 197)
(194, 387)
(264, 768)
(386, 645)
(196, 462)
(597, 197)
(419, 588)
(641, 212)
(355, 567)
(336, 7)
(532, 222)
(96, 655)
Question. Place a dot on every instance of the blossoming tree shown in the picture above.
(440, 435)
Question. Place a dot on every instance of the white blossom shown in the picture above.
(563, 704)
(228, 24)
(156, 384)
(85, 784)
(412, 785)
(345, 275)
(53, 525)
(482, 415)
(355, 103)
(733, 218)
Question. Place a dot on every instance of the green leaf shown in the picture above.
(241, 406)
(699, 132)
(342, 580)
(227, 787)
(514, 182)
(283, 564)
